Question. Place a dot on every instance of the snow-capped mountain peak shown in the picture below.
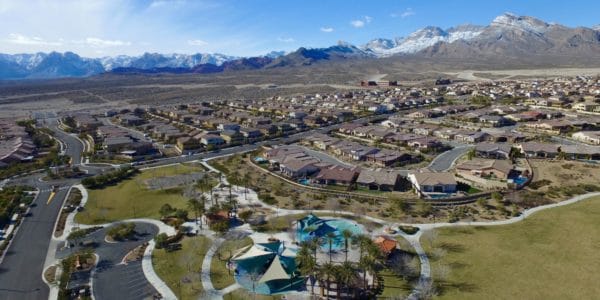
(524, 23)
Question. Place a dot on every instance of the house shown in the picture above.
(383, 180)
(187, 144)
(581, 152)
(488, 168)
(299, 167)
(431, 182)
(232, 137)
(211, 140)
(386, 158)
(539, 150)
(590, 137)
(336, 175)
(493, 150)
(251, 134)
(228, 126)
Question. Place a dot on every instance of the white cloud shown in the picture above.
(358, 23)
(100, 43)
(197, 43)
(362, 22)
(327, 29)
(405, 14)
(286, 39)
(19, 39)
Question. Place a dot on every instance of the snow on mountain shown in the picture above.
(597, 27)
(524, 23)
(156, 60)
(421, 39)
(275, 54)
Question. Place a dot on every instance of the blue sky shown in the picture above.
(98, 28)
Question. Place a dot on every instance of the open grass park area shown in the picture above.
(131, 198)
(551, 255)
(179, 269)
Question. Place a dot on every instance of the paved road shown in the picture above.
(113, 280)
(22, 267)
(445, 160)
(74, 147)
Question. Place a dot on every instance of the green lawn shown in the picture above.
(219, 275)
(180, 269)
(552, 255)
(394, 287)
(131, 199)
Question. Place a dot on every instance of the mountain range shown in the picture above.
(508, 37)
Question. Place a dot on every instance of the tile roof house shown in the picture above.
(383, 180)
(431, 182)
(493, 150)
(336, 175)
(499, 169)
(386, 158)
(539, 150)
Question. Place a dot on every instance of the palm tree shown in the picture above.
(245, 181)
(327, 270)
(330, 237)
(361, 240)
(347, 235)
(375, 255)
(201, 207)
(307, 264)
(347, 274)
(193, 205)
(315, 243)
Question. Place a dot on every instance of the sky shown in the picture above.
(97, 28)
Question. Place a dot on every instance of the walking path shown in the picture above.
(425, 280)
(147, 268)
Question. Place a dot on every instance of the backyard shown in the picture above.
(551, 255)
(131, 198)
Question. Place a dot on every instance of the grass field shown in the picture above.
(551, 255)
(219, 275)
(131, 199)
(179, 269)
(394, 287)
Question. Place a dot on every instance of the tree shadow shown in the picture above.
(452, 247)
(444, 286)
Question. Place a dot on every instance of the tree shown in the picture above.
(245, 215)
(166, 210)
(328, 271)
(423, 208)
(497, 196)
(161, 240)
(330, 237)
(400, 204)
(121, 231)
(471, 154)
(307, 264)
(346, 234)
(482, 202)
(181, 214)
(346, 272)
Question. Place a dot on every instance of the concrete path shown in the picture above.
(425, 280)
(148, 270)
